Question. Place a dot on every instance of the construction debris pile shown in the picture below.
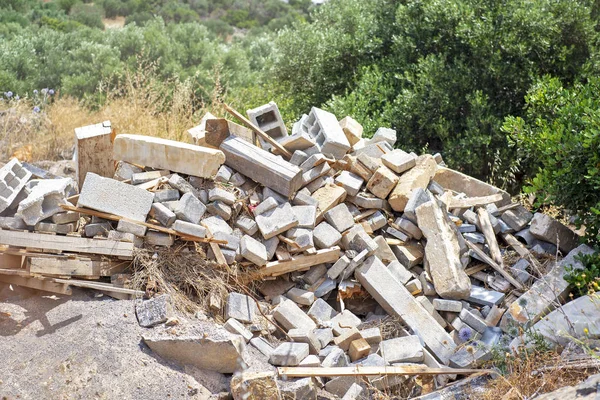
(341, 231)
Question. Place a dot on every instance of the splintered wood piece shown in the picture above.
(99, 286)
(515, 244)
(47, 285)
(365, 214)
(258, 131)
(67, 243)
(220, 258)
(14, 271)
(282, 254)
(493, 264)
(490, 236)
(297, 372)
(474, 201)
(75, 267)
(159, 228)
(276, 268)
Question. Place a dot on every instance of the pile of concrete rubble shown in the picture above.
(342, 231)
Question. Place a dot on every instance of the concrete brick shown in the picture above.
(189, 208)
(358, 349)
(268, 118)
(400, 273)
(341, 322)
(326, 236)
(162, 214)
(234, 326)
(276, 221)
(410, 228)
(216, 224)
(300, 296)
(384, 135)
(447, 305)
(298, 157)
(44, 198)
(308, 337)
(303, 199)
(419, 196)
(548, 229)
(377, 221)
(338, 267)
(65, 217)
(364, 200)
(340, 218)
(188, 228)
(223, 174)
(306, 216)
(382, 182)
(218, 194)
(219, 208)
(240, 307)
(253, 251)
(61, 229)
(321, 311)
(113, 197)
(325, 129)
(130, 227)
(166, 195)
(125, 237)
(402, 350)
(262, 345)
(153, 311)
(237, 179)
(247, 225)
(289, 354)
(143, 177)
(398, 161)
(168, 154)
(13, 223)
(159, 239)
(101, 229)
(290, 316)
(352, 183)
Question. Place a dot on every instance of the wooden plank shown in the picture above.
(159, 228)
(262, 166)
(258, 131)
(219, 129)
(153, 183)
(490, 236)
(75, 267)
(515, 244)
(220, 258)
(47, 285)
(11, 261)
(493, 264)
(67, 243)
(328, 372)
(474, 201)
(14, 271)
(94, 151)
(276, 268)
(99, 286)
(508, 207)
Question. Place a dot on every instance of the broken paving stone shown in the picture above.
(326, 236)
(340, 218)
(300, 296)
(335, 358)
(550, 230)
(235, 327)
(473, 320)
(187, 228)
(262, 345)
(267, 204)
(255, 385)
(218, 194)
(382, 182)
(153, 311)
(377, 221)
(247, 225)
(289, 354)
(417, 177)
(216, 224)
(409, 254)
(321, 311)
(443, 253)
(253, 251)
(297, 389)
(328, 197)
(189, 208)
(162, 214)
(306, 216)
(276, 221)
(352, 183)
(314, 274)
(517, 218)
(402, 350)
(419, 196)
(344, 321)
(240, 307)
(398, 161)
(306, 336)
(219, 208)
(337, 268)
(166, 195)
(325, 336)
(290, 316)
(447, 305)
(223, 174)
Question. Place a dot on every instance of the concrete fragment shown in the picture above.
(377, 221)
(61, 229)
(314, 274)
(153, 311)
(124, 170)
(398, 161)
(364, 200)
(162, 214)
(187, 228)
(384, 135)
(300, 296)
(359, 348)
(289, 354)
(338, 267)
(321, 311)
(308, 337)
(471, 356)
(397, 300)
(484, 296)
(110, 196)
(324, 128)
(234, 326)
(328, 197)
(344, 321)
(402, 349)
(340, 218)
(182, 185)
(190, 209)
(65, 217)
(447, 305)
(159, 239)
(298, 157)
(517, 218)
(240, 307)
(166, 195)
(468, 185)
(131, 227)
(417, 177)
(399, 272)
(303, 199)
(262, 345)
(371, 335)
(255, 385)
(326, 287)
(247, 225)
(473, 320)
(326, 236)
(306, 216)
(352, 183)
(147, 176)
(290, 316)
(550, 230)
(347, 336)
(253, 251)
(13, 223)
(354, 392)
(223, 174)
(311, 361)
(218, 194)
(409, 227)
(101, 229)
(44, 198)
(168, 154)
(352, 129)
(219, 208)
(427, 305)
(382, 182)
(419, 196)
(276, 221)
(93, 151)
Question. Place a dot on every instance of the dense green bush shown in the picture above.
(87, 14)
(558, 139)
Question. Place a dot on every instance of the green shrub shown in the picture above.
(586, 280)
(88, 14)
(558, 140)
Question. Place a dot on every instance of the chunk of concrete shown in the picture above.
(326, 236)
(153, 311)
(253, 251)
(344, 321)
(382, 182)
(44, 198)
(321, 311)
(276, 221)
(240, 307)
(399, 161)
(306, 216)
(114, 197)
(484, 297)
(236, 327)
(402, 350)
(247, 225)
(13, 178)
(187, 228)
(308, 337)
(189, 208)
(255, 385)
(168, 154)
(301, 296)
(162, 214)
(290, 316)
(461, 183)
(131, 227)
(289, 354)
(443, 253)
(447, 305)
(384, 135)
(550, 230)
(417, 177)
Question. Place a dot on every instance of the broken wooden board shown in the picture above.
(493, 264)
(219, 129)
(67, 243)
(75, 267)
(474, 201)
(328, 372)
(93, 151)
(490, 236)
(14, 271)
(276, 268)
(262, 166)
(46, 285)
(11, 261)
(107, 287)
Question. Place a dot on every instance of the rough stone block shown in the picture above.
(234, 326)
(352, 129)
(517, 218)
(359, 348)
(124, 170)
(419, 196)
(166, 195)
(382, 182)
(384, 135)
(113, 197)
(240, 307)
(371, 335)
(306, 216)
(190, 209)
(340, 218)
(417, 177)
(346, 338)
(153, 311)
(168, 154)
(253, 251)
(182, 185)
(550, 230)
(300, 296)
(289, 354)
(276, 221)
(99, 229)
(290, 316)
(247, 225)
(344, 321)
(162, 214)
(398, 161)
(326, 236)
(407, 349)
(447, 305)
(308, 337)
(65, 217)
(321, 311)
(159, 239)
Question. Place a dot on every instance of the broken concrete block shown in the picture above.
(262, 166)
(13, 223)
(354, 392)
(352, 129)
(211, 349)
(290, 316)
(410, 228)
(44, 198)
(398, 161)
(315, 173)
(340, 217)
(400, 273)
(352, 183)
(384, 135)
(382, 182)
(162, 214)
(308, 337)
(344, 321)
(240, 307)
(124, 170)
(550, 230)
(517, 218)
(326, 287)
(268, 118)
(237, 328)
(359, 348)
(326, 236)
(110, 196)
(311, 361)
(461, 183)
(93, 151)
(153, 311)
(314, 274)
(328, 197)
(289, 354)
(130, 227)
(325, 336)
(298, 157)
(395, 299)
(253, 251)
(419, 196)
(377, 221)
(364, 200)
(219, 208)
(218, 194)
(402, 350)
(324, 127)
(159, 238)
(417, 177)
(473, 320)
(447, 305)
(300, 296)
(168, 154)
(190, 209)
(443, 253)
(162, 196)
(371, 335)
(321, 311)
(101, 228)
(262, 345)
(223, 174)
(306, 216)
(409, 254)
(375, 150)
(247, 225)
(267, 204)
(338, 267)
(125, 237)
(61, 229)
(143, 177)
(255, 385)
(276, 221)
